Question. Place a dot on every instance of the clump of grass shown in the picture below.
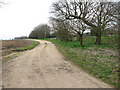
(35, 43)
(10, 57)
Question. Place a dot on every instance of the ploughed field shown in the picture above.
(9, 45)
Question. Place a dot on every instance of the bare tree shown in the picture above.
(78, 27)
(62, 29)
(1, 3)
(97, 15)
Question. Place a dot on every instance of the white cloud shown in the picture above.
(19, 17)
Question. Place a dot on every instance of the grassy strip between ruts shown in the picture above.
(10, 57)
(93, 59)
(35, 43)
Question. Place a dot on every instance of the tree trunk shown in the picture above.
(98, 36)
(81, 40)
(98, 39)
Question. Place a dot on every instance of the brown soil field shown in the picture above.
(9, 45)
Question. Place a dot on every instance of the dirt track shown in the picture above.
(45, 67)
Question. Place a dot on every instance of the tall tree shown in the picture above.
(1, 3)
(78, 27)
(62, 29)
(97, 15)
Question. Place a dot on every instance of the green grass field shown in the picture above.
(88, 41)
(99, 60)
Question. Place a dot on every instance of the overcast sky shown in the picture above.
(19, 17)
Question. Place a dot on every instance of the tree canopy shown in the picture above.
(41, 31)
(96, 15)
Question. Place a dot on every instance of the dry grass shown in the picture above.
(9, 45)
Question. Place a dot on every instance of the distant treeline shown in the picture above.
(22, 37)
(42, 31)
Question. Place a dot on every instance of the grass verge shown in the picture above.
(98, 60)
(10, 57)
